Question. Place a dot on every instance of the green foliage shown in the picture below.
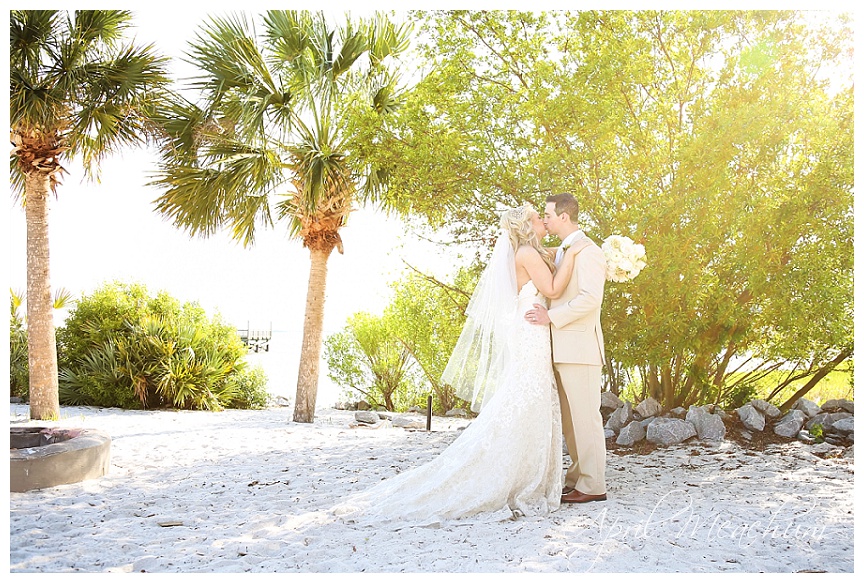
(73, 74)
(396, 360)
(429, 316)
(250, 389)
(838, 384)
(369, 359)
(740, 396)
(817, 431)
(19, 367)
(714, 138)
(122, 347)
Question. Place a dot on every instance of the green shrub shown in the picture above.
(19, 367)
(369, 361)
(817, 431)
(250, 389)
(740, 396)
(120, 347)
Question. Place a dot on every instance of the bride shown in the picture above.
(508, 461)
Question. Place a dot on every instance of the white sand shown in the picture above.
(252, 490)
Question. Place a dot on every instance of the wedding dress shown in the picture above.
(506, 463)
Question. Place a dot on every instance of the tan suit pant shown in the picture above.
(579, 392)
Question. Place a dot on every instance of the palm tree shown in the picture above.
(75, 90)
(277, 137)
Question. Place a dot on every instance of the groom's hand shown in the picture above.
(539, 315)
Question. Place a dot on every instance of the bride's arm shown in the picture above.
(538, 271)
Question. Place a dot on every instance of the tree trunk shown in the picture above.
(310, 352)
(822, 373)
(42, 346)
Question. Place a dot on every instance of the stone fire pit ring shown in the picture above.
(43, 457)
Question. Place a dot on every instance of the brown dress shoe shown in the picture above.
(578, 497)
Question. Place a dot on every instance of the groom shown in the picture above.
(577, 352)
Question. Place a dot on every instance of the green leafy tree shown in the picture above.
(270, 139)
(714, 138)
(397, 359)
(429, 315)
(368, 359)
(77, 90)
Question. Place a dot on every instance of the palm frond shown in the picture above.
(16, 179)
(288, 36)
(238, 83)
(229, 190)
(30, 35)
(352, 49)
(105, 26)
(180, 121)
(318, 163)
(386, 38)
(63, 298)
(118, 104)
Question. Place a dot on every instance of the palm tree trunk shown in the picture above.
(42, 346)
(310, 352)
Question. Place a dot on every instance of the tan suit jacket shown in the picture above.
(577, 337)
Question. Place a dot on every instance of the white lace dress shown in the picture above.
(506, 463)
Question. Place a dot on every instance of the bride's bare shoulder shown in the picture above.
(526, 250)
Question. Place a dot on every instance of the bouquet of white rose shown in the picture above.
(624, 258)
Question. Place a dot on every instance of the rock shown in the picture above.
(409, 422)
(833, 440)
(608, 433)
(805, 437)
(751, 418)
(631, 434)
(663, 431)
(280, 401)
(725, 416)
(367, 417)
(413, 409)
(849, 453)
(708, 426)
(824, 448)
(836, 404)
(844, 426)
(649, 408)
(747, 435)
(826, 420)
(609, 400)
(383, 424)
(620, 418)
(15, 400)
(456, 413)
(363, 406)
(766, 408)
(678, 412)
(646, 422)
(791, 423)
(809, 407)
(385, 415)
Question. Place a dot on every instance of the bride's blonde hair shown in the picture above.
(516, 222)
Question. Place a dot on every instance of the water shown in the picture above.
(281, 364)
